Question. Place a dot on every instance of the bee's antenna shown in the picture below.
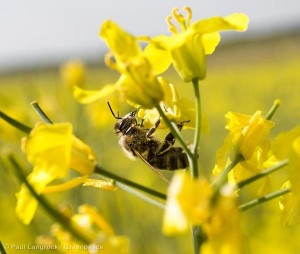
(117, 117)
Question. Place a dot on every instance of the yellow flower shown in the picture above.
(187, 49)
(73, 73)
(52, 149)
(92, 225)
(248, 137)
(287, 146)
(188, 202)
(138, 83)
(223, 226)
(193, 202)
(289, 205)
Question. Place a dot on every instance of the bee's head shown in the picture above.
(125, 123)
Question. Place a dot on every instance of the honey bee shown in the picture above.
(138, 141)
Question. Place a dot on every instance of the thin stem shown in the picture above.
(263, 199)
(140, 195)
(221, 179)
(65, 222)
(101, 171)
(273, 109)
(18, 125)
(198, 236)
(263, 173)
(2, 250)
(40, 112)
(198, 118)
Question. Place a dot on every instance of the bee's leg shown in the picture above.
(153, 129)
(180, 125)
(167, 144)
(142, 123)
(169, 140)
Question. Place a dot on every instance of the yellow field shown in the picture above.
(241, 77)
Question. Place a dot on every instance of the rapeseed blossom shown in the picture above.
(53, 150)
(287, 146)
(138, 83)
(187, 49)
(248, 137)
(194, 202)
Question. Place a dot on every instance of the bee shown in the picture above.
(138, 141)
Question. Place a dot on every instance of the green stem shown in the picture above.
(221, 179)
(273, 109)
(140, 195)
(263, 199)
(18, 125)
(40, 112)
(263, 173)
(2, 250)
(198, 236)
(65, 222)
(198, 119)
(101, 171)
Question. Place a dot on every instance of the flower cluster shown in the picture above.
(140, 83)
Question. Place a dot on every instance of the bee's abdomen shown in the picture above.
(173, 159)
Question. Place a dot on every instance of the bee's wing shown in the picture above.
(162, 176)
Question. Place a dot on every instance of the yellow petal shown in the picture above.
(83, 159)
(101, 184)
(210, 42)
(123, 45)
(223, 229)
(26, 205)
(237, 21)
(189, 58)
(96, 218)
(74, 182)
(48, 148)
(289, 205)
(282, 144)
(88, 96)
(286, 146)
(174, 220)
(159, 59)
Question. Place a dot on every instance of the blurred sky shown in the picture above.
(40, 31)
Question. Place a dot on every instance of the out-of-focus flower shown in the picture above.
(289, 205)
(188, 202)
(138, 82)
(248, 137)
(53, 150)
(90, 223)
(187, 49)
(192, 202)
(287, 146)
(73, 74)
(223, 227)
